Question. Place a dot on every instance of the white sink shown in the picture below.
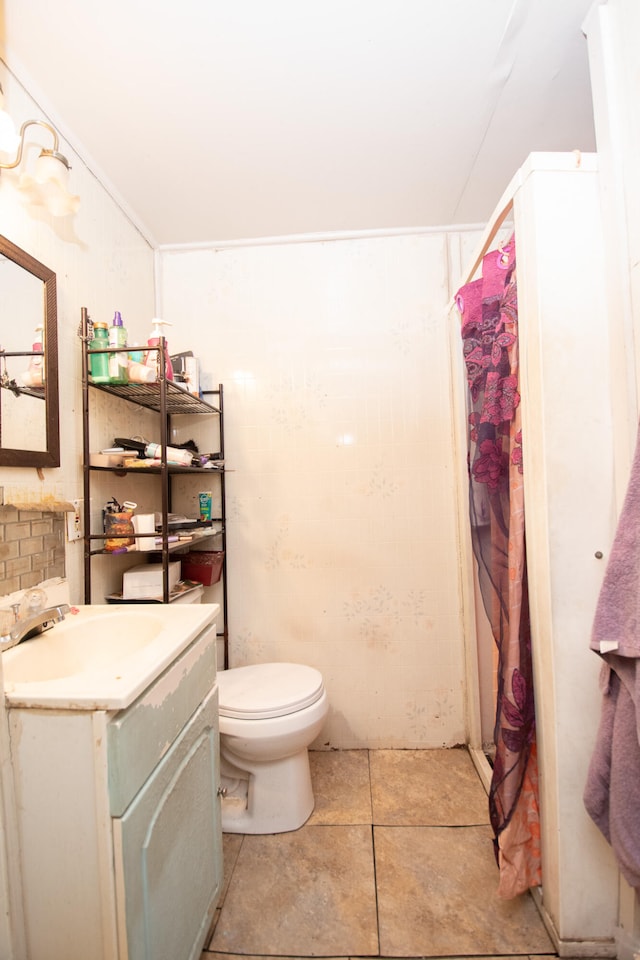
(80, 646)
(101, 656)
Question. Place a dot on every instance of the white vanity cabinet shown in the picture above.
(119, 819)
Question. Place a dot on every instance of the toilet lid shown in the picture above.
(267, 690)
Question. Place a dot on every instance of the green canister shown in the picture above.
(99, 362)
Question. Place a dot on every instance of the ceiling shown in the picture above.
(223, 120)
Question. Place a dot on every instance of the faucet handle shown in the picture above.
(33, 601)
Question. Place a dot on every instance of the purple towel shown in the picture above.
(613, 780)
(617, 621)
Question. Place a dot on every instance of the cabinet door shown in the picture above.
(139, 737)
(169, 848)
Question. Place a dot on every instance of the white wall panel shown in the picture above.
(342, 545)
(101, 262)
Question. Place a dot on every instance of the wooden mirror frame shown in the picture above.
(50, 457)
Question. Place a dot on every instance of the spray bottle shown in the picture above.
(118, 362)
(153, 356)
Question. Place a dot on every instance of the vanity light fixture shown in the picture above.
(48, 186)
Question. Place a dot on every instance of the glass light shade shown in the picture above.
(48, 186)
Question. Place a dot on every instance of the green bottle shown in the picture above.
(99, 362)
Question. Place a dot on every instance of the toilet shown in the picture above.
(269, 715)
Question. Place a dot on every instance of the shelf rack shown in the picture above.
(167, 399)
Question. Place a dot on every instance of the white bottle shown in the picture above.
(153, 356)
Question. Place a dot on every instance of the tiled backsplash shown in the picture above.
(31, 547)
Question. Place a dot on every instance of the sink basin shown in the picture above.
(73, 647)
(100, 656)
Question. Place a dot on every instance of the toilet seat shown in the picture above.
(265, 690)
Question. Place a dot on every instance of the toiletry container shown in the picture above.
(137, 371)
(99, 362)
(119, 531)
(118, 362)
(153, 356)
(34, 376)
(153, 451)
(140, 372)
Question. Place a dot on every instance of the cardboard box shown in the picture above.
(107, 459)
(144, 581)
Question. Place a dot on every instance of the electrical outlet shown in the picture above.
(74, 521)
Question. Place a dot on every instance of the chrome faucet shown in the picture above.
(35, 624)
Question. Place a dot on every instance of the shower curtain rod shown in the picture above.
(498, 217)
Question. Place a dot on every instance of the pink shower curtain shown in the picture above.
(489, 311)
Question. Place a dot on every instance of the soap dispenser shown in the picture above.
(153, 356)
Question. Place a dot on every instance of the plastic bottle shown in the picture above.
(140, 373)
(99, 362)
(153, 356)
(34, 376)
(118, 362)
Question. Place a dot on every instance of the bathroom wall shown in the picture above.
(102, 262)
(341, 495)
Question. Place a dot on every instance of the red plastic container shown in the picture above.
(203, 566)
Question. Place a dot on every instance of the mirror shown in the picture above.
(29, 427)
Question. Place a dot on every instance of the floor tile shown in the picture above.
(231, 843)
(341, 787)
(436, 896)
(426, 788)
(306, 893)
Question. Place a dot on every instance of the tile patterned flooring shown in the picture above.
(396, 860)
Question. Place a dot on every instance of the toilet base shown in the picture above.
(271, 797)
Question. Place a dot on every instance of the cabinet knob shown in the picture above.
(222, 791)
